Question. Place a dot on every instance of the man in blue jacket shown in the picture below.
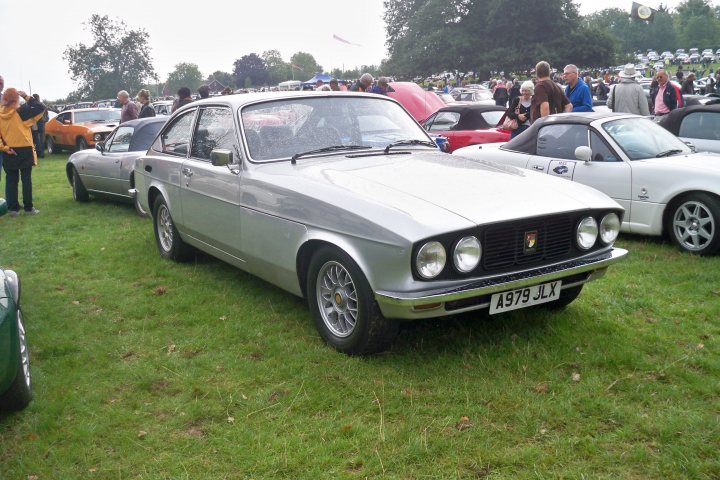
(577, 92)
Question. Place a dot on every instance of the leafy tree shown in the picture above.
(304, 65)
(696, 23)
(250, 67)
(225, 78)
(184, 75)
(278, 70)
(118, 59)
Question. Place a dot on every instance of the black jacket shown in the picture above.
(669, 96)
(147, 111)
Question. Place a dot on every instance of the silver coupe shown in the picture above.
(343, 198)
(107, 169)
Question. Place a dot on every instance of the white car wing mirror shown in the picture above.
(584, 154)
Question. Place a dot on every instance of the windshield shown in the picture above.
(98, 116)
(642, 138)
(282, 128)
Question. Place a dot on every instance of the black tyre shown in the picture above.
(81, 144)
(78, 189)
(51, 146)
(567, 296)
(693, 223)
(19, 395)
(167, 238)
(343, 307)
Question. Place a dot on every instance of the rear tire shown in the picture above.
(343, 307)
(19, 395)
(694, 223)
(80, 194)
(167, 238)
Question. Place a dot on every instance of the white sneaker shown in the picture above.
(34, 211)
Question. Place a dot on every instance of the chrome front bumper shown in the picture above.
(469, 296)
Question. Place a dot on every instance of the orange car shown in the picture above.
(81, 128)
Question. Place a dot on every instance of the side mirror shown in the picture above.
(100, 147)
(584, 154)
(221, 157)
(3, 207)
(692, 146)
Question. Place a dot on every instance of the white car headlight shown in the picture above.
(609, 228)
(97, 137)
(587, 232)
(467, 253)
(430, 260)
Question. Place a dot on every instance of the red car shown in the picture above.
(468, 124)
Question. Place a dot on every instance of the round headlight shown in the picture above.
(97, 137)
(430, 260)
(467, 254)
(587, 233)
(609, 228)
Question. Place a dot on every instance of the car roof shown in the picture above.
(527, 141)
(145, 131)
(241, 99)
(88, 109)
(463, 107)
(671, 122)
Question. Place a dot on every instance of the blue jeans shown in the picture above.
(12, 178)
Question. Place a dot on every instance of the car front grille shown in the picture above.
(506, 246)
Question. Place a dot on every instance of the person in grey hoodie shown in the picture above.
(628, 96)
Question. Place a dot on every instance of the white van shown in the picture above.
(290, 85)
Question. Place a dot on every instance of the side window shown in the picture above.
(703, 125)
(120, 142)
(63, 116)
(445, 121)
(560, 141)
(175, 139)
(214, 129)
(600, 151)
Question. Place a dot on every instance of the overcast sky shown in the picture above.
(31, 45)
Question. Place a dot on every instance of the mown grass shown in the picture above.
(147, 369)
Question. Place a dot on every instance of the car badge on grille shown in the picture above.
(530, 243)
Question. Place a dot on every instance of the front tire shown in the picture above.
(343, 306)
(81, 144)
(80, 194)
(167, 238)
(567, 296)
(19, 395)
(693, 224)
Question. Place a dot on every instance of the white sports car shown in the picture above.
(663, 185)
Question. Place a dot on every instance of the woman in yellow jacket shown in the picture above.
(17, 143)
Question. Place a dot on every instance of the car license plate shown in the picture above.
(525, 297)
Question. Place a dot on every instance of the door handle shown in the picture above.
(538, 167)
(187, 172)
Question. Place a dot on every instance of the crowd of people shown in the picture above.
(623, 93)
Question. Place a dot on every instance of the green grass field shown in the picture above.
(147, 369)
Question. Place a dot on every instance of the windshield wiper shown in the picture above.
(333, 148)
(410, 142)
(667, 153)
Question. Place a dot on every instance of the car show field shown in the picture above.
(145, 368)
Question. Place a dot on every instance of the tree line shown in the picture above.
(430, 36)
(423, 37)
